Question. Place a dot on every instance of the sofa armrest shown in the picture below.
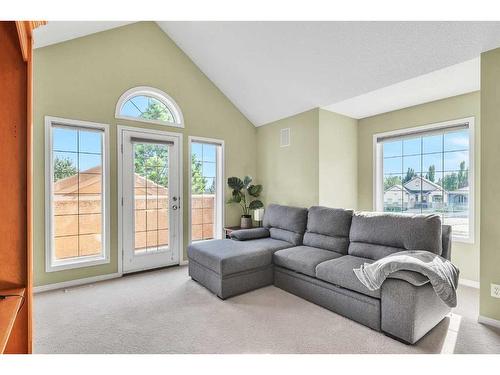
(249, 234)
(414, 278)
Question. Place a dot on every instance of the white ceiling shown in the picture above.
(443, 83)
(271, 70)
(60, 31)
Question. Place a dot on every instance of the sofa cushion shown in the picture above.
(376, 235)
(286, 223)
(303, 259)
(340, 272)
(328, 228)
(226, 257)
(249, 234)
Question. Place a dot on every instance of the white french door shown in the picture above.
(150, 187)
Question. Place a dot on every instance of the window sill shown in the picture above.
(465, 240)
(76, 263)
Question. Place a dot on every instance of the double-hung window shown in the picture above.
(428, 169)
(77, 194)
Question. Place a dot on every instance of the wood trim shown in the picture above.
(25, 33)
(9, 307)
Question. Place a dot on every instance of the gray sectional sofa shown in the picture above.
(312, 253)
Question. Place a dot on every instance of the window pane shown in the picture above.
(66, 247)
(64, 139)
(432, 143)
(412, 163)
(90, 142)
(64, 166)
(395, 196)
(456, 160)
(210, 186)
(146, 107)
(432, 162)
(77, 197)
(90, 244)
(208, 169)
(392, 149)
(458, 140)
(203, 191)
(209, 152)
(393, 165)
(196, 151)
(412, 146)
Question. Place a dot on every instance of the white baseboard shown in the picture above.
(489, 321)
(469, 283)
(77, 282)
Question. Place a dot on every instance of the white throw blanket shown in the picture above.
(442, 274)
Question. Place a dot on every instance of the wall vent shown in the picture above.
(285, 137)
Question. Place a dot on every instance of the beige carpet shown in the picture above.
(164, 311)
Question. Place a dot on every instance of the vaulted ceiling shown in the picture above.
(271, 70)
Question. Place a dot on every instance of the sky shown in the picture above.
(420, 153)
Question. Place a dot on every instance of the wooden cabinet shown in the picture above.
(15, 185)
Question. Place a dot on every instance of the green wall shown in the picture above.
(338, 158)
(83, 78)
(465, 255)
(319, 166)
(290, 174)
(490, 172)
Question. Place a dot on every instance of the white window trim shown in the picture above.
(219, 230)
(51, 264)
(157, 94)
(378, 172)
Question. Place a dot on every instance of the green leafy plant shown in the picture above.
(243, 194)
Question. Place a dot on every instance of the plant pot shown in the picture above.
(246, 221)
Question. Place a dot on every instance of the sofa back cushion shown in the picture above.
(376, 235)
(328, 228)
(286, 223)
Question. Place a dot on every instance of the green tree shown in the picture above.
(463, 176)
(431, 174)
(63, 167)
(391, 181)
(454, 181)
(157, 111)
(198, 182)
(410, 173)
(449, 182)
(151, 162)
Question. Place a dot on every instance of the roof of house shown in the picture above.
(89, 181)
(417, 184)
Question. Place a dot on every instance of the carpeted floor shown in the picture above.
(164, 311)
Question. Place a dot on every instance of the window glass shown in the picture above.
(429, 173)
(204, 195)
(77, 192)
(146, 108)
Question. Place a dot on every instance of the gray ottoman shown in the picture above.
(228, 267)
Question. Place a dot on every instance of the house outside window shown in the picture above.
(427, 170)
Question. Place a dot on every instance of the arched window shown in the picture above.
(147, 104)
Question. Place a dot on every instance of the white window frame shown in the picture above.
(51, 264)
(154, 93)
(378, 182)
(220, 173)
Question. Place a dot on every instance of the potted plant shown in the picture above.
(243, 194)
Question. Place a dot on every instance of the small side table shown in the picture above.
(228, 230)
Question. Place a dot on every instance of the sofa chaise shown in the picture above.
(312, 253)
